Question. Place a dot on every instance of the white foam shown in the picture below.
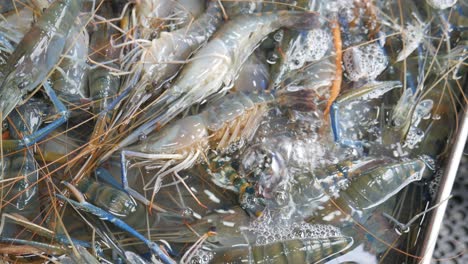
(364, 62)
(268, 229)
(412, 35)
(308, 48)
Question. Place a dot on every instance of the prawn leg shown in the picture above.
(29, 140)
(186, 162)
(336, 84)
(124, 176)
(62, 112)
(104, 215)
(35, 244)
(105, 176)
(405, 228)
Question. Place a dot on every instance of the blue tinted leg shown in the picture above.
(106, 216)
(43, 132)
(105, 176)
(334, 116)
(125, 185)
(44, 246)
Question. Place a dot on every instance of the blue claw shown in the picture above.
(62, 239)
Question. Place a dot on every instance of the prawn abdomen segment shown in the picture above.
(213, 58)
(235, 118)
(182, 135)
(287, 251)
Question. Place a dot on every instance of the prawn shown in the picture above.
(235, 118)
(226, 52)
(37, 53)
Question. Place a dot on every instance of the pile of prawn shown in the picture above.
(224, 131)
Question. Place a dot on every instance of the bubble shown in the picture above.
(441, 4)
(414, 136)
(281, 197)
(434, 184)
(412, 35)
(298, 233)
(364, 62)
(187, 212)
(307, 48)
(201, 257)
(297, 61)
(273, 58)
(278, 36)
(270, 229)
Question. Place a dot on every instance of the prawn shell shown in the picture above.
(107, 197)
(37, 53)
(183, 134)
(288, 251)
(376, 186)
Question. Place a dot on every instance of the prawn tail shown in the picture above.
(299, 20)
(303, 100)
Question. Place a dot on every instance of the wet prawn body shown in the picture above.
(70, 79)
(102, 85)
(353, 187)
(232, 119)
(149, 14)
(290, 251)
(183, 143)
(238, 240)
(111, 199)
(23, 193)
(180, 44)
(225, 52)
(163, 57)
(42, 45)
(376, 186)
